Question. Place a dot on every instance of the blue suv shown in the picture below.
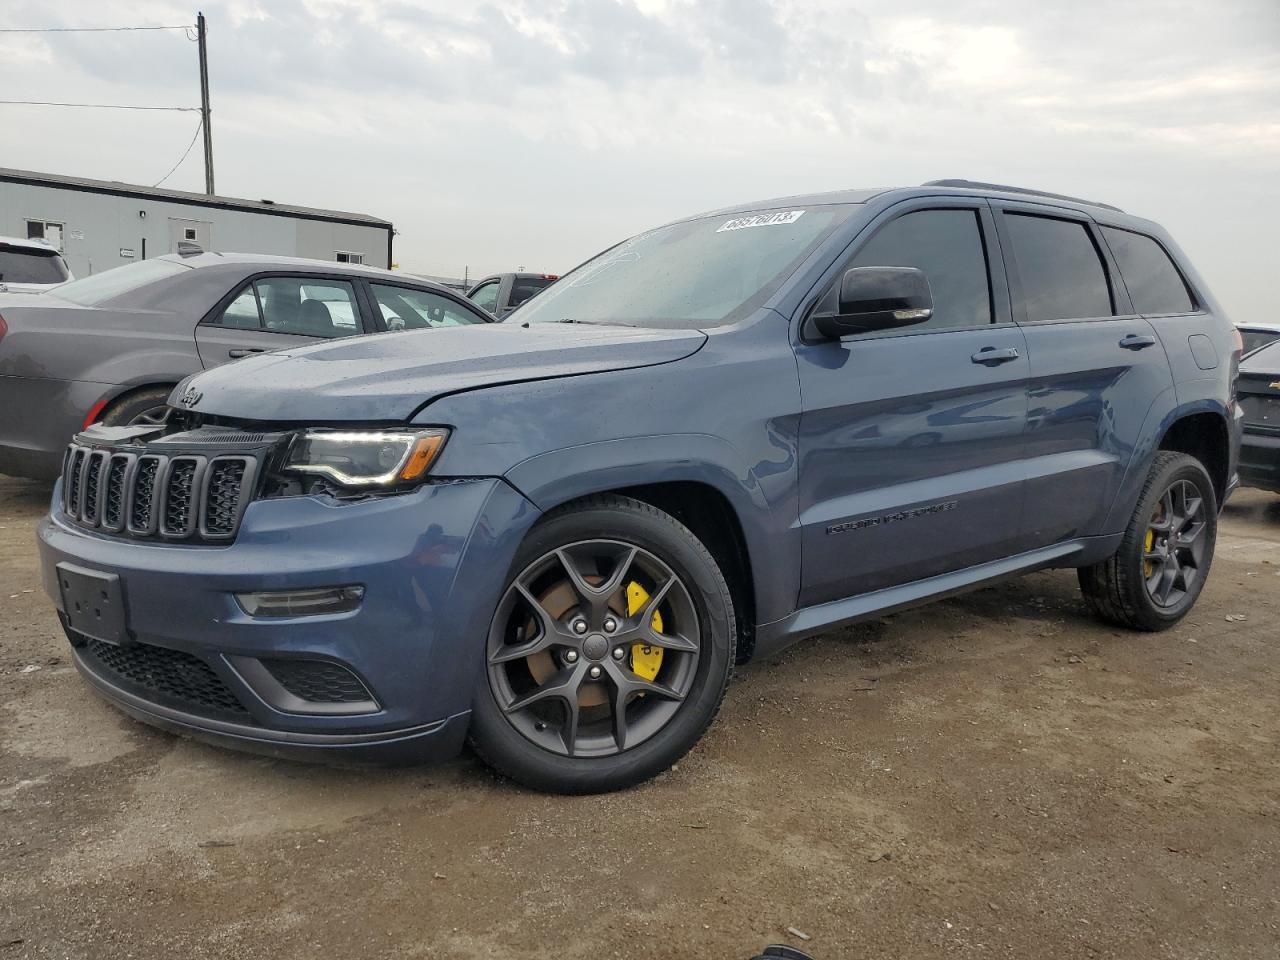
(556, 536)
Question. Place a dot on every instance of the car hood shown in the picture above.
(390, 376)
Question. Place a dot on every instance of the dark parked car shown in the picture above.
(111, 346)
(503, 292)
(1259, 393)
(556, 535)
(1258, 335)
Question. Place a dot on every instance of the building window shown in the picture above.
(343, 256)
(188, 233)
(49, 231)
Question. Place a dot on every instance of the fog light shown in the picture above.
(301, 603)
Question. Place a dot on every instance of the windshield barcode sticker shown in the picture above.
(762, 220)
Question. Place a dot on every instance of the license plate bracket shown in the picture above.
(93, 603)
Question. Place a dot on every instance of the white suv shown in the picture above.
(30, 266)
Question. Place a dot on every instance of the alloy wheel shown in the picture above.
(594, 648)
(1174, 547)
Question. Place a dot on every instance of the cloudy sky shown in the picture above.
(534, 132)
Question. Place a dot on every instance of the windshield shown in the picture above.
(698, 273)
(112, 283)
(30, 266)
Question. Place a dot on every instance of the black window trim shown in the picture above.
(1197, 302)
(1121, 306)
(210, 319)
(380, 323)
(997, 285)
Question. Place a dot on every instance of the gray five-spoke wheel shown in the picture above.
(594, 648)
(1174, 547)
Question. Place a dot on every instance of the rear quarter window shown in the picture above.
(1155, 285)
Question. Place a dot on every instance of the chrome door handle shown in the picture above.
(993, 357)
(1137, 341)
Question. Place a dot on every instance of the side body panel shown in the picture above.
(1094, 382)
(725, 417)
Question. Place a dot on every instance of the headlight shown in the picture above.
(367, 458)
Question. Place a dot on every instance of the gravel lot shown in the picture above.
(992, 776)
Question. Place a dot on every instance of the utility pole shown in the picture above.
(204, 106)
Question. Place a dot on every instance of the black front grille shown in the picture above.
(182, 497)
(113, 495)
(144, 495)
(319, 681)
(178, 495)
(171, 678)
(222, 498)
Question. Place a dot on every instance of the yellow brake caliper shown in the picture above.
(645, 659)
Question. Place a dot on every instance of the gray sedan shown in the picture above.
(112, 346)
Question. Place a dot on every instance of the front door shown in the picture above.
(910, 439)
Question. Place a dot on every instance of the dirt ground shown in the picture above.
(992, 776)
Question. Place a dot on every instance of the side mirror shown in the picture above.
(873, 298)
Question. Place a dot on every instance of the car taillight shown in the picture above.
(551, 276)
(1239, 341)
(4, 328)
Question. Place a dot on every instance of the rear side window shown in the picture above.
(295, 305)
(30, 266)
(525, 287)
(1153, 282)
(947, 246)
(1059, 268)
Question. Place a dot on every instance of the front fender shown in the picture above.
(550, 479)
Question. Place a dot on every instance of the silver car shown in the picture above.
(109, 348)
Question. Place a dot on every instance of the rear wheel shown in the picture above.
(148, 407)
(1156, 575)
(609, 653)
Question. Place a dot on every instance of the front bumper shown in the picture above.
(432, 564)
(1260, 461)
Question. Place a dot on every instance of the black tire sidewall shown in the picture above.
(1176, 468)
(514, 755)
(120, 412)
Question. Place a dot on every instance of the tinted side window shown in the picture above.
(307, 307)
(525, 287)
(1153, 282)
(407, 309)
(1061, 272)
(242, 312)
(947, 246)
(486, 297)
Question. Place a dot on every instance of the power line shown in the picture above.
(183, 26)
(94, 106)
(199, 127)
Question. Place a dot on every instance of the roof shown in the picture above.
(939, 187)
(116, 188)
(37, 246)
(271, 261)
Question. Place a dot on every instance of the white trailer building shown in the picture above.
(99, 224)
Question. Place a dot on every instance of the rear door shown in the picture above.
(1097, 368)
(278, 311)
(910, 439)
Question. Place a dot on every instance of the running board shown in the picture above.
(809, 621)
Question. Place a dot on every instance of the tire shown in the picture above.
(1119, 589)
(592, 754)
(133, 407)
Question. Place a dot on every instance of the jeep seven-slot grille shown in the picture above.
(188, 497)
